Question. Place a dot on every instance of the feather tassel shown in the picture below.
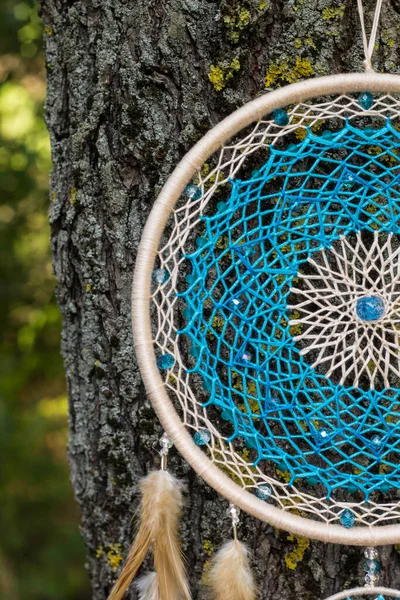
(230, 575)
(147, 586)
(160, 510)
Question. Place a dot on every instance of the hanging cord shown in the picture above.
(369, 46)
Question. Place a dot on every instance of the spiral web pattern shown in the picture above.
(280, 216)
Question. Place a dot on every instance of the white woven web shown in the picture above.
(345, 344)
(185, 226)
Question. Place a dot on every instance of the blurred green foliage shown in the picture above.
(41, 553)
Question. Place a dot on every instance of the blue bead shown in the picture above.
(235, 304)
(380, 597)
(292, 148)
(312, 481)
(165, 361)
(207, 385)
(188, 313)
(370, 308)
(352, 488)
(365, 100)
(385, 488)
(372, 566)
(194, 351)
(201, 242)
(327, 134)
(221, 206)
(190, 279)
(322, 436)
(280, 117)
(202, 437)
(193, 192)
(347, 518)
(349, 181)
(264, 491)
(160, 275)
(376, 442)
(227, 415)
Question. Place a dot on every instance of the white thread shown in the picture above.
(369, 46)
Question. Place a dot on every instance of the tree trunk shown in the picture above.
(131, 87)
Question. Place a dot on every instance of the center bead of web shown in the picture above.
(370, 308)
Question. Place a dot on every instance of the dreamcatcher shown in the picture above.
(266, 314)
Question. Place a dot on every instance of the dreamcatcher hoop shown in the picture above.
(141, 297)
(365, 591)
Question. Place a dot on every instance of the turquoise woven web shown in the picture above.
(305, 198)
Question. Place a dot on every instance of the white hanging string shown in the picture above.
(369, 46)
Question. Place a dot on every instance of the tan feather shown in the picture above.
(147, 586)
(230, 575)
(160, 510)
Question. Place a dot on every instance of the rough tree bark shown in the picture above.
(130, 89)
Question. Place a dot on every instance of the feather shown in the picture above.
(147, 586)
(160, 510)
(230, 575)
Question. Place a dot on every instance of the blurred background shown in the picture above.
(41, 553)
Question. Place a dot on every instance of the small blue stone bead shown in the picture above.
(201, 242)
(193, 191)
(280, 117)
(202, 437)
(312, 481)
(352, 488)
(327, 134)
(190, 279)
(207, 385)
(165, 361)
(227, 415)
(188, 313)
(347, 518)
(194, 351)
(264, 491)
(370, 308)
(385, 488)
(365, 100)
(160, 275)
(221, 206)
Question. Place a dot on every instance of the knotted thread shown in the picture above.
(369, 46)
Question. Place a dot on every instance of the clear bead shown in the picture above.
(233, 513)
(370, 579)
(166, 442)
(371, 553)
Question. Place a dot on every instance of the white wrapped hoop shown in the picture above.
(365, 591)
(141, 295)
